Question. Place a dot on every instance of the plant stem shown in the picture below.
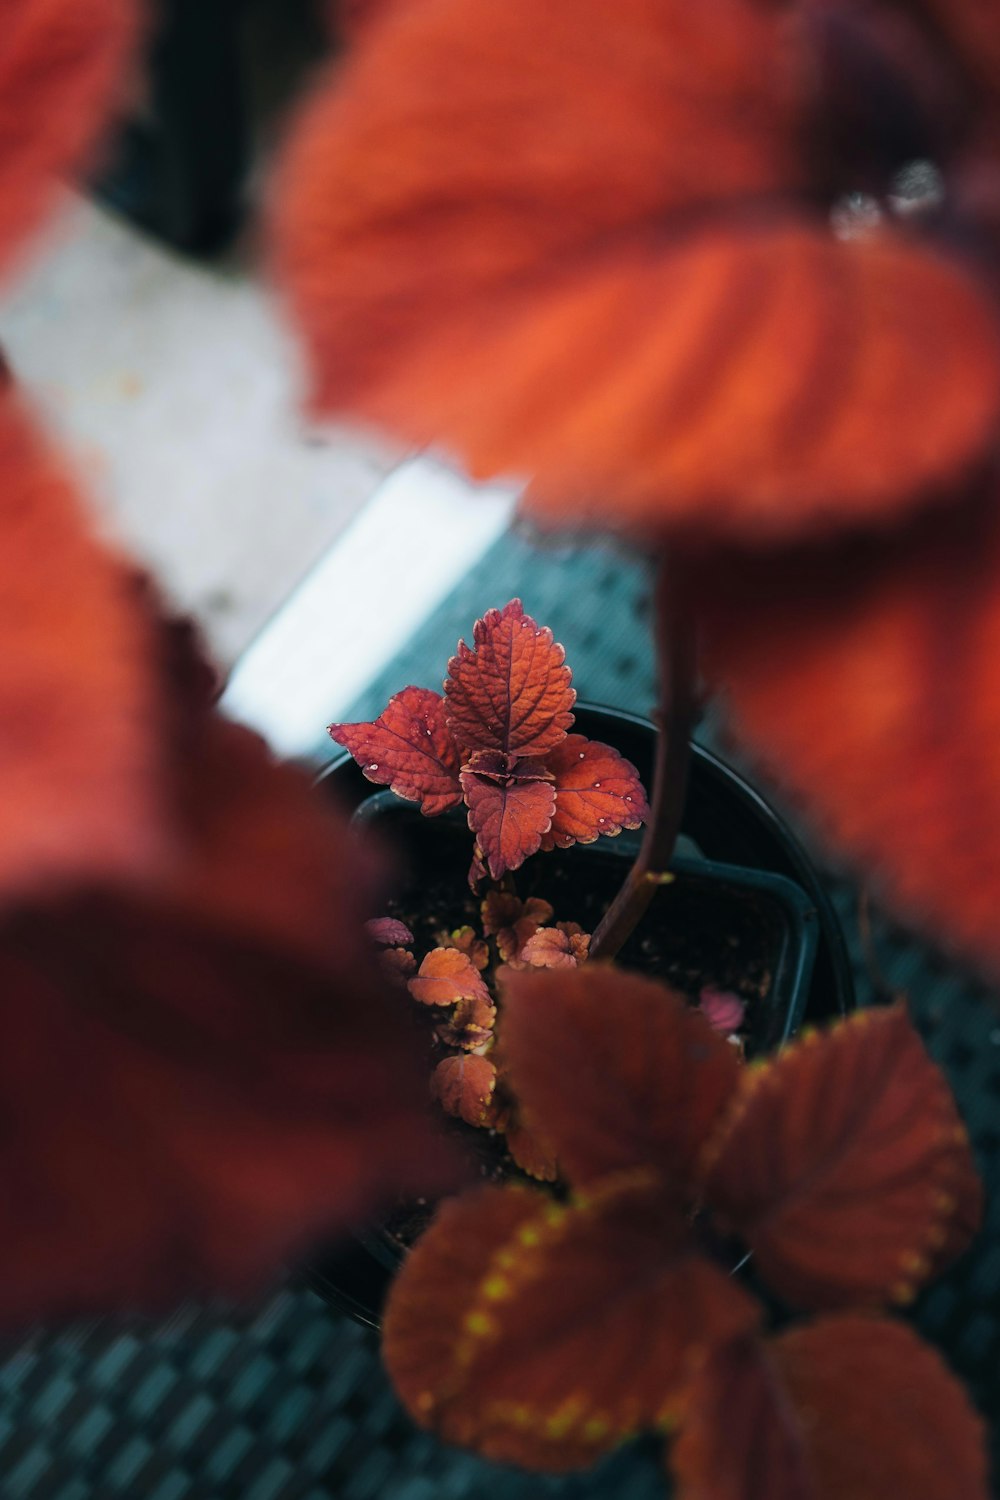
(675, 718)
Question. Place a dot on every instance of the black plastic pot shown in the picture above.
(736, 856)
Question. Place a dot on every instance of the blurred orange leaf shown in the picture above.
(842, 1163)
(82, 713)
(867, 685)
(522, 1328)
(847, 1406)
(61, 67)
(641, 1077)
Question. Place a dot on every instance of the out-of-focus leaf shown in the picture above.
(869, 685)
(657, 345)
(470, 1023)
(598, 792)
(846, 1407)
(842, 1164)
(408, 748)
(513, 921)
(82, 714)
(61, 73)
(511, 690)
(522, 1328)
(641, 1077)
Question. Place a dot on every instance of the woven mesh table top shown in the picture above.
(285, 1400)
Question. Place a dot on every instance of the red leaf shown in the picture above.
(61, 67)
(80, 707)
(529, 1151)
(641, 1077)
(560, 947)
(841, 1164)
(464, 1085)
(446, 976)
(785, 381)
(870, 686)
(847, 1407)
(508, 816)
(389, 932)
(512, 691)
(408, 748)
(523, 1328)
(597, 792)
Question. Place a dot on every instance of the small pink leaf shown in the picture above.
(723, 1010)
(560, 947)
(389, 932)
(512, 691)
(408, 748)
(597, 792)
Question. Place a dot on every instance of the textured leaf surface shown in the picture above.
(511, 690)
(598, 792)
(445, 976)
(408, 748)
(463, 1086)
(80, 708)
(61, 67)
(848, 1406)
(869, 685)
(490, 284)
(508, 817)
(641, 1077)
(522, 1328)
(842, 1164)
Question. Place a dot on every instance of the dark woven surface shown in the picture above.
(286, 1400)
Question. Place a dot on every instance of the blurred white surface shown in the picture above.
(397, 561)
(177, 390)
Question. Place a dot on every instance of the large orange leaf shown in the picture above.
(495, 236)
(842, 1164)
(60, 66)
(868, 683)
(81, 712)
(849, 1408)
(545, 1334)
(641, 1078)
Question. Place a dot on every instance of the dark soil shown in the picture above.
(698, 931)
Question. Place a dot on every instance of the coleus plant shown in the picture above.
(545, 1333)
(499, 741)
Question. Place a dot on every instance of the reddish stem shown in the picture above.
(676, 646)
